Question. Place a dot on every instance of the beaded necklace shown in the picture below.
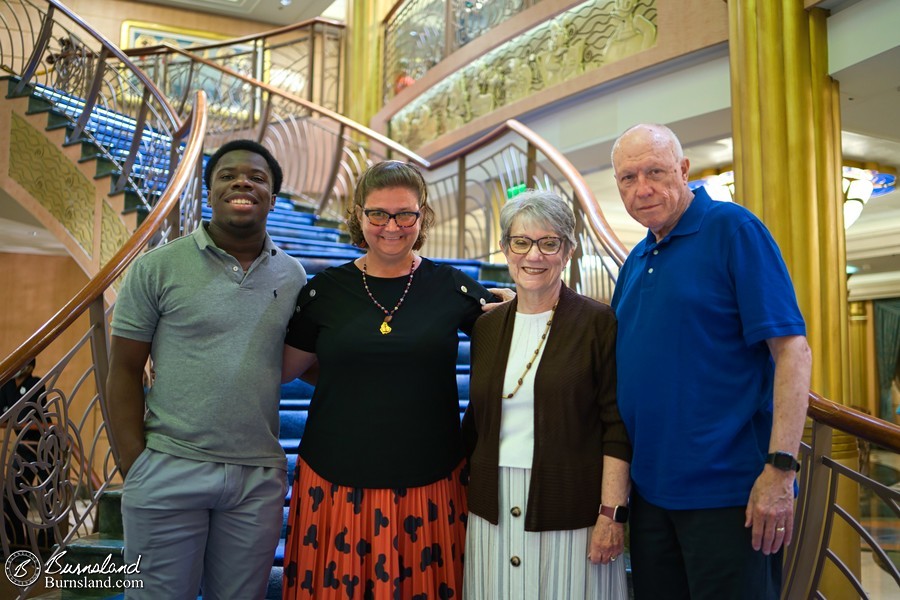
(389, 314)
(534, 356)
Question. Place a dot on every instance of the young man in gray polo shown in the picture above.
(204, 471)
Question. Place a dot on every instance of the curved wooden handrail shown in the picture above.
(166, 48)
(95, 288)
(392, 12)
(114, 51)
(854, 422)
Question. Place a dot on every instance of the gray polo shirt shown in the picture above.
(217, 337)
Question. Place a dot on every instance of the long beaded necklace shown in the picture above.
(534, 356)
(389, 314)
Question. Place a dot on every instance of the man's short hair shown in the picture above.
(250, 146)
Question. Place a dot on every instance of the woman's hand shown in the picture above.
(607, 541)
(505, 295)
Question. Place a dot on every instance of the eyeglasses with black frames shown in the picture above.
(520, 244)
(380, 217)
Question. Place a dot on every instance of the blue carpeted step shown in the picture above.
(305, 245)
(296, 390)
(273, 590)
(463, 357)
(308, 232)
(293, 422)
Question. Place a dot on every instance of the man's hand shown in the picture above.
(770, 511)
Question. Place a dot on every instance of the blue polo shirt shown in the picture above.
(694, 372)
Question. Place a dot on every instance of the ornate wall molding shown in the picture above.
(548, 53)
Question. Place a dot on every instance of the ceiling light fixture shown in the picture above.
(860, 183)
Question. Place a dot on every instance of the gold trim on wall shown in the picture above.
(141, 34)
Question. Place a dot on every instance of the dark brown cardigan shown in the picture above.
(576, 419)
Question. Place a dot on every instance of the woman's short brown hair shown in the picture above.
(383, 175)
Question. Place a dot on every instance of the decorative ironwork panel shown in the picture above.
(586, 37)
(846, 495)
(414, 41)
(423, 32)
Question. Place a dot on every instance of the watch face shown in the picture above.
(621, 514)
(783, 461)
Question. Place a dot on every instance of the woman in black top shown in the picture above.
(377, 505)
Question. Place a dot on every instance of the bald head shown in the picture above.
(651, 136)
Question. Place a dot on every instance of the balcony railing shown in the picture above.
(418, 34)
(305, 59)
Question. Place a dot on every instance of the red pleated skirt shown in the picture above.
(384, 544)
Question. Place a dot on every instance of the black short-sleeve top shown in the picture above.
(385, 411)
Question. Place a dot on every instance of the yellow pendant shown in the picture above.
(385, 328)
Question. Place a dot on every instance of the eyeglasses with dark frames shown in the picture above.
(379, 217)
(520, 244)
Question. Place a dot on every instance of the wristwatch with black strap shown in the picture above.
(619, 514)
(783, 461)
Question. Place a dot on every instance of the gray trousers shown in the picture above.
(200, 524)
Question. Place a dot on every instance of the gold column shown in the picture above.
(365, 49)
(864, 391)
(786, 126)
(787, 155)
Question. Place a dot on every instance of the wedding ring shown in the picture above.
(613, 558)
(779, 529)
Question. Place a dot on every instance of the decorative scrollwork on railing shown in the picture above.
(48, 479)
(70, 59)
(305, 60)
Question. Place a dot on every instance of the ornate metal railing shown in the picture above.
(55, 456)
(418, 34)
(304, 59)
(843, 506)
(61, 59)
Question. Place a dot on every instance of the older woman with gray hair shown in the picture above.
(549, 455)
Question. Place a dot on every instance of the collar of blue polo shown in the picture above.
(688, 224)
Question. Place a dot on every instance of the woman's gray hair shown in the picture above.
(542, 208)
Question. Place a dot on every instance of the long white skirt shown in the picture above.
(552, 565)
